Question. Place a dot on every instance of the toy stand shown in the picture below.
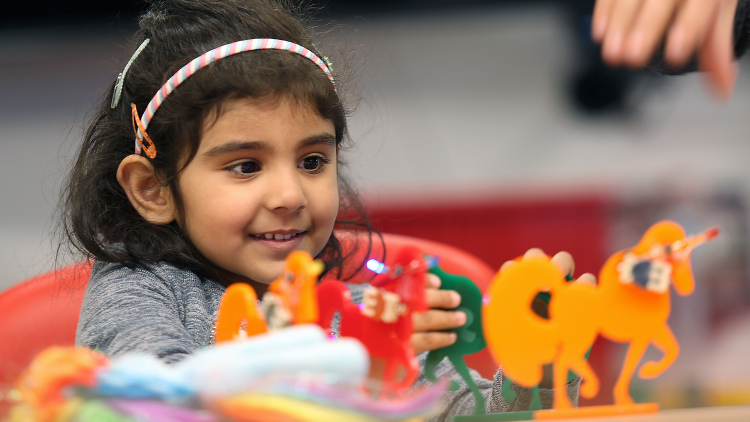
(580, 412)
(598, 411)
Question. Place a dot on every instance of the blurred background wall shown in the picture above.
(488, 125)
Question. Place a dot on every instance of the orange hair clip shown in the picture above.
(138, 128)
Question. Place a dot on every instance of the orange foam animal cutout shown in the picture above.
(296, 287)
(629, 304)
(239, 315)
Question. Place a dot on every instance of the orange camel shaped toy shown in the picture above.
(630, 304)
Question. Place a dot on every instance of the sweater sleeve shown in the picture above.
(742, 28)
(741, 43)
(133, 310)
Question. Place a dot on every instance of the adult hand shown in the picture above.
(428, 326)
(630, 31)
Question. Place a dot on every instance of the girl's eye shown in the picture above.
(245, 168)
(314, 163)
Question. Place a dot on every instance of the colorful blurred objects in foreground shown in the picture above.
(295, 374)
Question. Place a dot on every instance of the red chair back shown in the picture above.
(39, 313)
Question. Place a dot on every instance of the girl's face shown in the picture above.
(262, 184)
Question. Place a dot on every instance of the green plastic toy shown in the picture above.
(469, 338)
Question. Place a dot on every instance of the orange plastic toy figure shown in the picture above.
(239, 316)
(630, 304)
(388, 341)
(296, 287)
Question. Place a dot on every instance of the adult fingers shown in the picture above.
(717, 54)
(689, 30)
(430, 341)
(600, 19)
(435, 320)
(647, 31)
(620, 20)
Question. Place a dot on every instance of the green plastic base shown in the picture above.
(507, 416)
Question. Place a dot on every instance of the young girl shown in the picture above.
(185, 184)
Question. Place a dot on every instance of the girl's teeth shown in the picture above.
(270, 236)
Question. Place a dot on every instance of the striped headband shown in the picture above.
(143, 142)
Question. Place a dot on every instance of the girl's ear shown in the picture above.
(152, 200)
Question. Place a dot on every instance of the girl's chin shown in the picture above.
(228, 277)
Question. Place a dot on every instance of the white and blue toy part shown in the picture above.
(649, 274)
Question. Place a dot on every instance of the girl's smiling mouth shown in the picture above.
(280, 236)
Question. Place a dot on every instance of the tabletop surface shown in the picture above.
(713, 414)
(702, 414)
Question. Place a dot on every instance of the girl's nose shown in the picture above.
(286, 192)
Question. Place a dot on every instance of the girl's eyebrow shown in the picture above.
(326, 139)
(235, 146)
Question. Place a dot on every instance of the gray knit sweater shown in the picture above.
(170, 312)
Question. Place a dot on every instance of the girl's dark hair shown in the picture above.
(97, 217)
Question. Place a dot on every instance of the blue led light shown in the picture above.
(375, 266)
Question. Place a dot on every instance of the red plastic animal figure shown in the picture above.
(389, 341)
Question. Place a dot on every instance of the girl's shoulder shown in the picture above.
(157, 276)
(143, 271)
